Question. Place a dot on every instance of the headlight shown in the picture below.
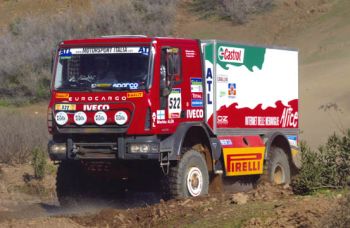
(143, 148)
(58, 148)
(121, 118)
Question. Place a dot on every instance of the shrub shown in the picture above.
(27, 45)
(329, 167)
(236, 11)
(39, 162)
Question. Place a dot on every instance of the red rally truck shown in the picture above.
(141, 109)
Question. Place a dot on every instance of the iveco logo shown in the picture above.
(95, 107)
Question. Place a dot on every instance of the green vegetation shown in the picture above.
(328, 167)
(39, 163)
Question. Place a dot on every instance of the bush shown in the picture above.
(20, 134)
(329, 167)
(236, 11)
(27, 45)
(39, 162)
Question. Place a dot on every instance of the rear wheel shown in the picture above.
(189, 178)
(278, 167)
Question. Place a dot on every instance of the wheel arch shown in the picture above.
(278, 139)
(193, 135)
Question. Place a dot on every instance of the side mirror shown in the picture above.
(165, 82)
(52, 60)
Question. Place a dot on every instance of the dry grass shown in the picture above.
(21, 134)
(27, 45)
(237, 11)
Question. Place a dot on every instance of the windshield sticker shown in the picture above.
(144, 50)
(174, 103)
(130, 85)
(105, 50)
(65, 54)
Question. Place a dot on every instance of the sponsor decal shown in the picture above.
(222, 78)
(65, 54)
(96, 107)
(244, 161)
(293, 140)
(65, 107)
(196, 103)
(61, 118)
(135, 94)
(278, 116)
(231, 54)
(222, 93)
(100, 118)
(160, 114)
(223, 120)
(154, 116)
(105, 50)
(130, 85)
(194, 113)
(289, 118)
(144, 50)
(100, 98)
(190, 53)
(62, 95)
(80, 118)
(226, 142)
(196, 85)
(262, 121)
(174, 103)
(101, 85)
(120, 117)
(197, 95)
(209, 79)
(232, 90)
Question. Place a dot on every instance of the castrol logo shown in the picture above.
(231, 54)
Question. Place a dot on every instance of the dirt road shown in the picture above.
(31, 203)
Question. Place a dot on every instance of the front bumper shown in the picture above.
(122, 148)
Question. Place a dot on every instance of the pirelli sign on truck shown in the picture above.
(141, 111)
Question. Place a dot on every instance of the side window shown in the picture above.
(172, 60)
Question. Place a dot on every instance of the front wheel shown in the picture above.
(189, 178)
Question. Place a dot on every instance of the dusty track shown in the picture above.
(29, 204)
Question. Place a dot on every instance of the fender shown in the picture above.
(270, 137)
(173, 143)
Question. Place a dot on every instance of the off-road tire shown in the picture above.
(69, 183)
(192, 163)
(278, 168)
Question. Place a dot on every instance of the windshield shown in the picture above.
(110, 68)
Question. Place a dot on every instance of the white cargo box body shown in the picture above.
(250, 87)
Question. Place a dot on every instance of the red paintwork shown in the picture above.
(137, 106)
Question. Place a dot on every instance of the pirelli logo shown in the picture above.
(244, 161)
